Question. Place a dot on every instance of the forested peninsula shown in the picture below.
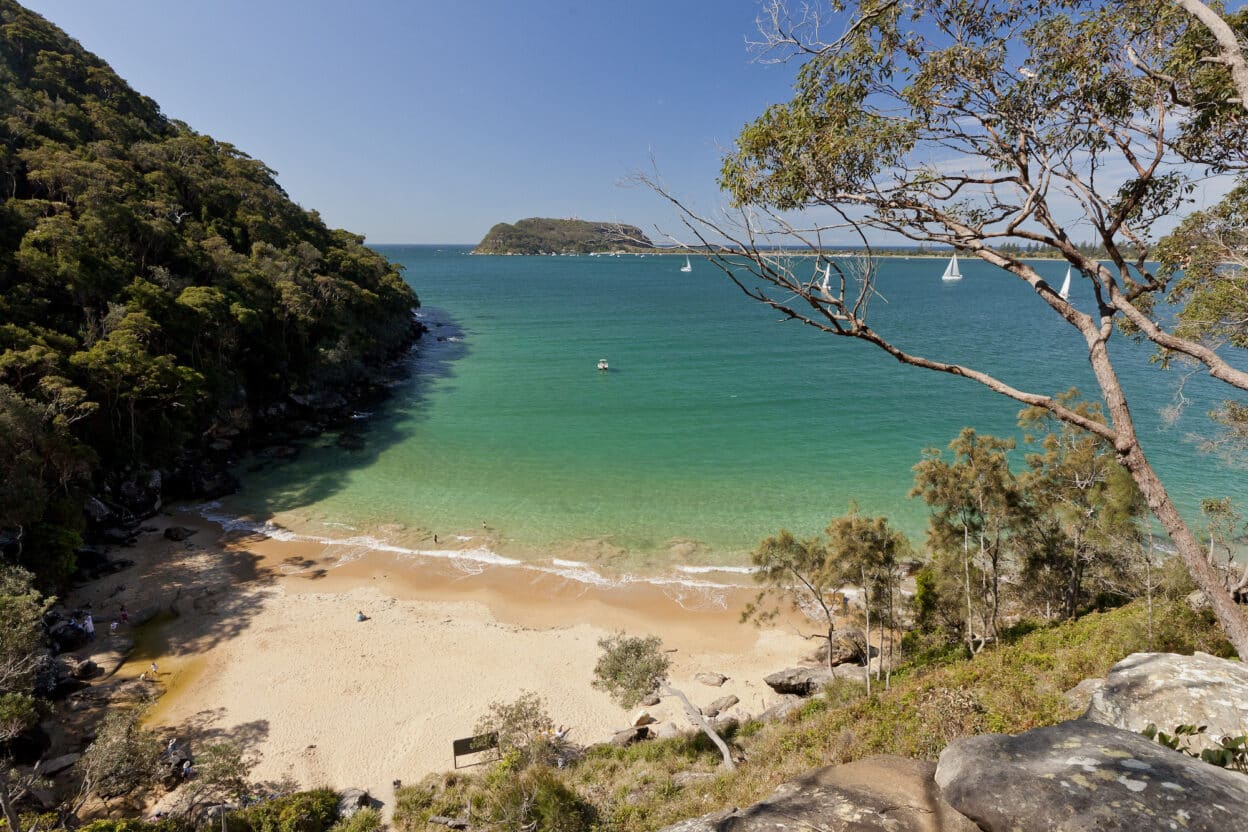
(162, 302)
(539, 235)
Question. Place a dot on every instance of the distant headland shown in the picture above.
(539, 235)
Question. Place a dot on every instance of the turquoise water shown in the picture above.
(715, 426)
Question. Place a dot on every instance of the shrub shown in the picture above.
(525, 730)
(365, 820)
(311, 811)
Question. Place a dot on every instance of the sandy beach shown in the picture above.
(256, 641)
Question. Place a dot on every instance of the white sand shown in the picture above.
(279, 664)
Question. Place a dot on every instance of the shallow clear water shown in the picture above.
(715, 426)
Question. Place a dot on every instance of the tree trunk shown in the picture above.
(698, 719)
(1228, 613)
(1131, 456)
(966, 567)
(866, 608)
(830, 645)
(6, 804)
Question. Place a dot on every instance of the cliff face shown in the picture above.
(550, 236)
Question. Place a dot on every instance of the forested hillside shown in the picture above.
(152, 279)
(539, 235)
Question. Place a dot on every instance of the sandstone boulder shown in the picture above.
(844, 650)
(712, 679)
(651, 700)
(1080, 776)
(877, 793)
(351, 801)
(804, 681)
(1080, 695)
(630, 735)
(788, 703)
(720, 705)
(58, 764)
(643, 718)
(1169, 690)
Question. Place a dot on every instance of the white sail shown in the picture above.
(688, 267)
(1065, 293)
(951, 270)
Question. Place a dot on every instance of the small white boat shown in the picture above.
(951, 270)
(602, 364)
(688, 267)
(1065, 292)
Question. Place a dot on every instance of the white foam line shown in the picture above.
(734, 570)
(474, 559)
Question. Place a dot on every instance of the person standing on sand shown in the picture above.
(88, 624)
(123, 615)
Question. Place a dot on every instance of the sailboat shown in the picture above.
(951, 271)
(688, 267)
(1065, 292)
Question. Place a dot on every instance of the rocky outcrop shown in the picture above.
(720, 705)
(805, 681)
(1080, 776)
(890, 794)
(352, 801)
(844, 650)
(1168, 690)
(1080, 695)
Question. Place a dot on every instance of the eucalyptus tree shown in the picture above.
(986, 126)
(799, 575)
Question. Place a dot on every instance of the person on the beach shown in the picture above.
(88, 624)
(123, 615)
(359, 616)
(112, 628)
(152, 668)
(435, 538)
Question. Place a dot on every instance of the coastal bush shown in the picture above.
(127, 825)
(123, 758)
(537, 798)
(526, 733)
(310, 811)
(365, 820)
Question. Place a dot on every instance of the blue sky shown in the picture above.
(430, 121)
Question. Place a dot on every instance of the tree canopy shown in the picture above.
(152, 278)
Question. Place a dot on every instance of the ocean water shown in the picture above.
(716, 425)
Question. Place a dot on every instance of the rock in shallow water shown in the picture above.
(1081, 776)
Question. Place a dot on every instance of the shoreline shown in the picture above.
(257, 642)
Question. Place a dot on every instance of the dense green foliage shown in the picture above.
(151, 278)
(630, 667)
(310, 811)
(548, 236)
